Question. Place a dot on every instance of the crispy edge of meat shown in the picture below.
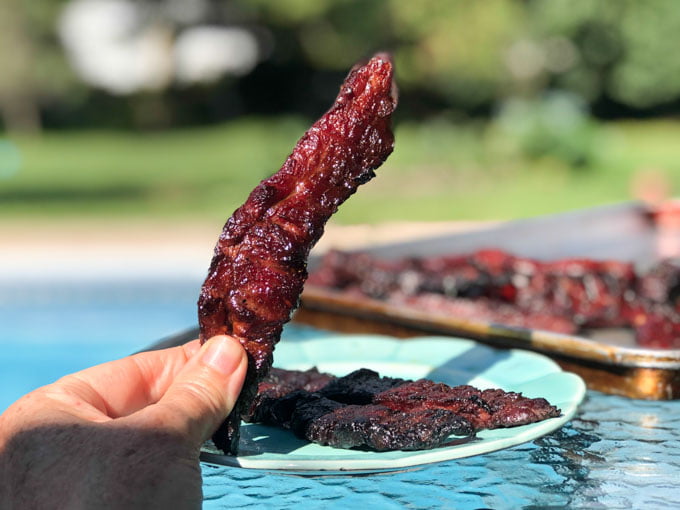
(259, 266)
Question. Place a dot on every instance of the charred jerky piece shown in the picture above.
(280, 391)
(487, 409)
(316, 418)
(661, 284)
(272, 405)
(486, 310)
(259, 267)
(285, 411)
(495, 286)
(365, 410)
(657, 326)
(380, 428)
(359, 387)
(310, 380)
(654, 314)
(313, 417)
(511, 409)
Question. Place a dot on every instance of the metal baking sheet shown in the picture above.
(608, 360)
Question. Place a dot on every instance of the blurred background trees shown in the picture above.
(491, 89)
(156, 63)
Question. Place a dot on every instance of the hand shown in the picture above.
(125, 434)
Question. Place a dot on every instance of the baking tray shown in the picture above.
(608, 360)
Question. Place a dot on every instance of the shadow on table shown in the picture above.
(465, 367)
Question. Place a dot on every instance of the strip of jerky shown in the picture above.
(259, 267)
(279, 394)
(484, 409)
(376, 427)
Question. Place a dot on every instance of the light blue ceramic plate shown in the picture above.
(448, 360)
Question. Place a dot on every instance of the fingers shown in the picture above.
(203, 393)
(124, 386)
(194, 388)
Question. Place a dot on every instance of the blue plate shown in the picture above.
(449, 360)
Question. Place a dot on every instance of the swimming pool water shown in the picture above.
(48, 330)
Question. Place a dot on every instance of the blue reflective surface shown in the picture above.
(50, 330)
(617, 453)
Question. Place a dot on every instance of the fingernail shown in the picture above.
(222, 353)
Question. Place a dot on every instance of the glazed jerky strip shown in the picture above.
(493, 286)
(484, 409)
(338, 412)
(259, 267)
(564, 294)
(363, 409)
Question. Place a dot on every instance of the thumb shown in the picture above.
(205, 390)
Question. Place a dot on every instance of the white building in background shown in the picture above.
(124, 47)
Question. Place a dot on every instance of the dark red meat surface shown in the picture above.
(484, 409)
(492, 286)
(380, 428)
(259, 266)
(364, 410)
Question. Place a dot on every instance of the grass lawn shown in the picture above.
(437, 172)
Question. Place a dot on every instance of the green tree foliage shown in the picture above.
(471, 54)
(451, 48)
(624, 49)
(452, 55)
(34, 71)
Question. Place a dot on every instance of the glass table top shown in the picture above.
(616, 453)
